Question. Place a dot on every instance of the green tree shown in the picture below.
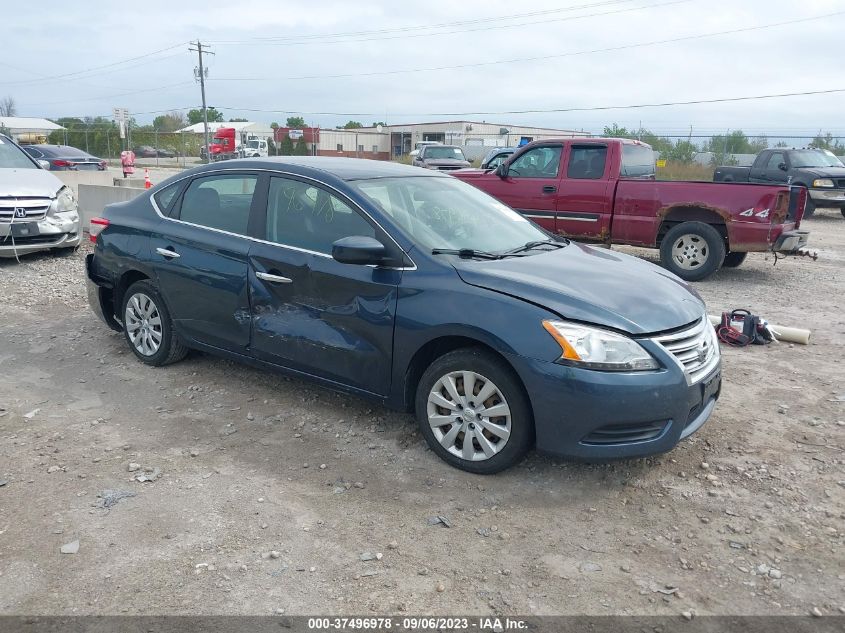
(658, 143)
(195, 116)
(377, 123)
(352, 125)
(301, 148)
(683, 151)
(274, 125)
(238, 120)
(169, 122)
(296, 122)
(828, 142)
(286, 146)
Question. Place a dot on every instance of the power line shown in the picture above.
(452, 32)
(539, 57)
(551, 110)
(82, 72)
(114, 96)
(295, 38)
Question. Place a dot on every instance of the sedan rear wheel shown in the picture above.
(473, 412)
(148, 328)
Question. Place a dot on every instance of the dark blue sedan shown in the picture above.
(412, 288)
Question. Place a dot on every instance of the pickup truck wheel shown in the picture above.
(692, 250)
(473, 411)
(733, 260)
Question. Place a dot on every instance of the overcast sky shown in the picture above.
(46, 48)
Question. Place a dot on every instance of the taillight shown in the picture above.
(102, 164)
(97, 225)
(62, 163)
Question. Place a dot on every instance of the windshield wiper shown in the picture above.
(531, 245)
(465, 253)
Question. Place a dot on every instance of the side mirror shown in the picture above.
(782, 166)
(44, 164)
(502, 170)
(359, 249)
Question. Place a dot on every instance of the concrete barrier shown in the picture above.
(75, 178)
(92, 199)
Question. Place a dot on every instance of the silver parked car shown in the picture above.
(37, 211)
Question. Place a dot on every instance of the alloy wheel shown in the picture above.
(143, 324)
(690, 251)
(469, 415)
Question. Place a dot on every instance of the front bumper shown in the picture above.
(595, 415)
(791, 241)
(834, 198)
(21, 238)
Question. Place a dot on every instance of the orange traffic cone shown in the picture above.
(147, 183)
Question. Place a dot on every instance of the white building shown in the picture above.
(26, 129)
(251, 128)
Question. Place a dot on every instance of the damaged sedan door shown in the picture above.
(310, 312)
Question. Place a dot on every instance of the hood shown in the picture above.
(824, 172)
(19, 183)
(592, 285)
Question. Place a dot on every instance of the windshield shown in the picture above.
(637, 161)
(12, 157)
(448, 213)
(436, 153)
(253, 144)
(814, 158)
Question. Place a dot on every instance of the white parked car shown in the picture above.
(37, 211)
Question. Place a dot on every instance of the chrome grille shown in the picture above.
(33, 208)
(696, 349)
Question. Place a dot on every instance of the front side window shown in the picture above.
(540, 162)
(220, 202)
(308, 217)
(448, 213)
(774, 160)
(587, 162)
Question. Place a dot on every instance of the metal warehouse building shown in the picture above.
(475, 138)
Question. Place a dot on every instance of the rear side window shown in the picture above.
(219, 202)
(165, 197)
(587, 162)
(637, 161)
(774, 160)
(304, 216)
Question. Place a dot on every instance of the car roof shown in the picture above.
(319, 166)
(57, 150)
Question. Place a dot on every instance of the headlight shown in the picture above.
(823, 182)
(593, 348)
(65, 201)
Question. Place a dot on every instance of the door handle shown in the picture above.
(166, 252)
(276, 279)
(549, 189)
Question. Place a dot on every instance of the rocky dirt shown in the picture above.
(259, 493)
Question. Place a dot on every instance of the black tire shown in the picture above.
(810, 207)
(65, 252)
(488, 367)
(706, 250)
(170, 348)
(734, 260)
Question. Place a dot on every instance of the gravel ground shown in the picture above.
(266, 493)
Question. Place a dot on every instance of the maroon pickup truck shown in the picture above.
(604, 190)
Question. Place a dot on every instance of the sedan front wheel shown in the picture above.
(473, 411)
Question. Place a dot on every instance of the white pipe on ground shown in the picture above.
(781, 332)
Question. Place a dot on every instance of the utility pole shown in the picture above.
(201, 73)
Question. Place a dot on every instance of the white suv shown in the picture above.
(37, 211)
